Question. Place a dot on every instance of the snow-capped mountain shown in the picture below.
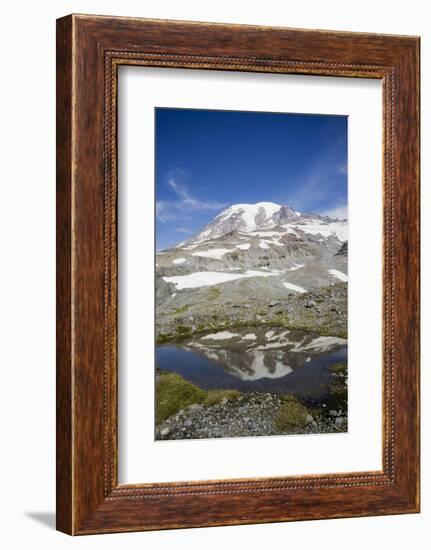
(260, 240)
(247, 217)
(259, 254)
(264, 215)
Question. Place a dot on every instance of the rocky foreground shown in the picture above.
(253, 414)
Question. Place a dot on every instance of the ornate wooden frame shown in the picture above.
(89, 51)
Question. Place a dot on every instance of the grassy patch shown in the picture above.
(280, 321)
(180, 310)
(162, 338)
(339, 369)
(183, 330)
(216, 396)
(173, 393)
(339, 386)
(291, 416)
(213, 293)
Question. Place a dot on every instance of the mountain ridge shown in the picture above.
(248, 217)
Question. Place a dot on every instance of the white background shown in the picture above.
(27, 273)
(141, 458)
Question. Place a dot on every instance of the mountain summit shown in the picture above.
(247, 218)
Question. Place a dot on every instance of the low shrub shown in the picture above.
(162, 338)
(216, 396)
(340, 369)
(291, 416)
(174, 393)
(339, 386)
(213, 293)
(180, 310)
(183, 330)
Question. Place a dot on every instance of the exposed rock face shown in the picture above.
(343, 250)
(245, 217)
(164, 291)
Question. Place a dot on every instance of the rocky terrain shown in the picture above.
(255, 414)
(255, 264)
(261, 295)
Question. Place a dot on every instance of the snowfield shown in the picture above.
(339, 275)
(215, 253)
(295, 267)
(296, 288)
(208, 278)
(266, 233)
(317, 227)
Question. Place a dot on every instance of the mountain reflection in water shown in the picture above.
(265, 359)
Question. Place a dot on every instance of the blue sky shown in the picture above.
(207, 160)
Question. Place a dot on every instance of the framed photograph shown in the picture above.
(269, 357)
(237, 274)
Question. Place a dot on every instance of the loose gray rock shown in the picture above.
(229, 420)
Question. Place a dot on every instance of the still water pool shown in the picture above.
(261, 359)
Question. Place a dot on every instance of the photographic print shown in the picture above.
(251, 260)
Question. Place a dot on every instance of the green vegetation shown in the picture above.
(174, 393)
(340, 369)
(216, 396)
(213, 293)
(183, 330)
(278, 321)
(163, 338)
(180, 310)
(339, 385)
(217, 321)
(291, 416)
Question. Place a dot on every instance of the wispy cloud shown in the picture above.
(339, 212)
(183, 230)
(312, 190)
(341, 168)
(174, 209)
